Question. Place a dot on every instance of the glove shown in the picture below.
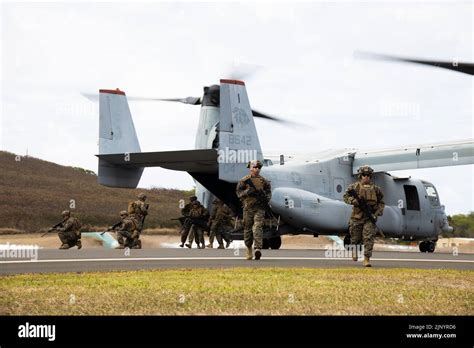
(355, 202)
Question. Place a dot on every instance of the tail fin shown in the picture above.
(117, 136)
(238, 139)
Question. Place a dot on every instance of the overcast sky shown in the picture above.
(53, 51)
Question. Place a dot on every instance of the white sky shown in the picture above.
(53, 51)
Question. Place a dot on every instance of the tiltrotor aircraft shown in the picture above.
(306, 192)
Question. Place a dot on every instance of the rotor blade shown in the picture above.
(259, 114)
(189, 100)
(242, 71)
(466, 68)
(91, 96)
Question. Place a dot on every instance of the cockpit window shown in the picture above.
(267, 162)
(432, 195)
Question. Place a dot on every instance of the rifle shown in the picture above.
(182, 220)
(112, 227)
(261, 197)
(201, 222)
(365, 209)
(53, 228)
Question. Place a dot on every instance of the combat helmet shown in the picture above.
(364, 170)
(253, 163)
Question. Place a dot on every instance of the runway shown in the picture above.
(89, 260)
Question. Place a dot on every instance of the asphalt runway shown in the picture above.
(89, 260)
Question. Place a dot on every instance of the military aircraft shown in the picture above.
(307, 191)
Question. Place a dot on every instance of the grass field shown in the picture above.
(241, 291)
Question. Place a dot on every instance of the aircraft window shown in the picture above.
(432, 195)
(411, 194)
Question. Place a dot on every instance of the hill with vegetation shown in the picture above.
(33, 193)
(463, 226)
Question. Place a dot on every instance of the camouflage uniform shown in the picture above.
(127, 233)
(254, 212)
(138, 210)
(361, 228)
(69, 231)
(221, 217)
(187, 223)
(197, 211)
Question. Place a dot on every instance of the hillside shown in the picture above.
(33, 193)
(463, 226)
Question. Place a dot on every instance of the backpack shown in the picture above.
(133, 208)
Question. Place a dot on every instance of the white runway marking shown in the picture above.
(226, 258)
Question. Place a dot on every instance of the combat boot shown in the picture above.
(79, 244)
(210, 246)
(367, 262)
(249, 254)
(354, 253)
(64, 246)
(258, 254)
(189, 245)
(221, 246)
(181, 245)
(227, 244)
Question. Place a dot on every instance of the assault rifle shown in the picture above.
(113, 227)
(366, 209)
(53, 228)
(261, 197)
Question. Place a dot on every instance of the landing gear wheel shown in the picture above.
(430, 247)
(423, 247)
(275, 242)
(266, 243)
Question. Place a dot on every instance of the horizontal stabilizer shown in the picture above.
(413, 157)
(191, 161)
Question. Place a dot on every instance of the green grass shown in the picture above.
(241, 291)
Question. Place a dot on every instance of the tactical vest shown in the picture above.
(258, 181)
(369, 193)
(196, 211)
(133, 208)
(223, 213)
(131, 222)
